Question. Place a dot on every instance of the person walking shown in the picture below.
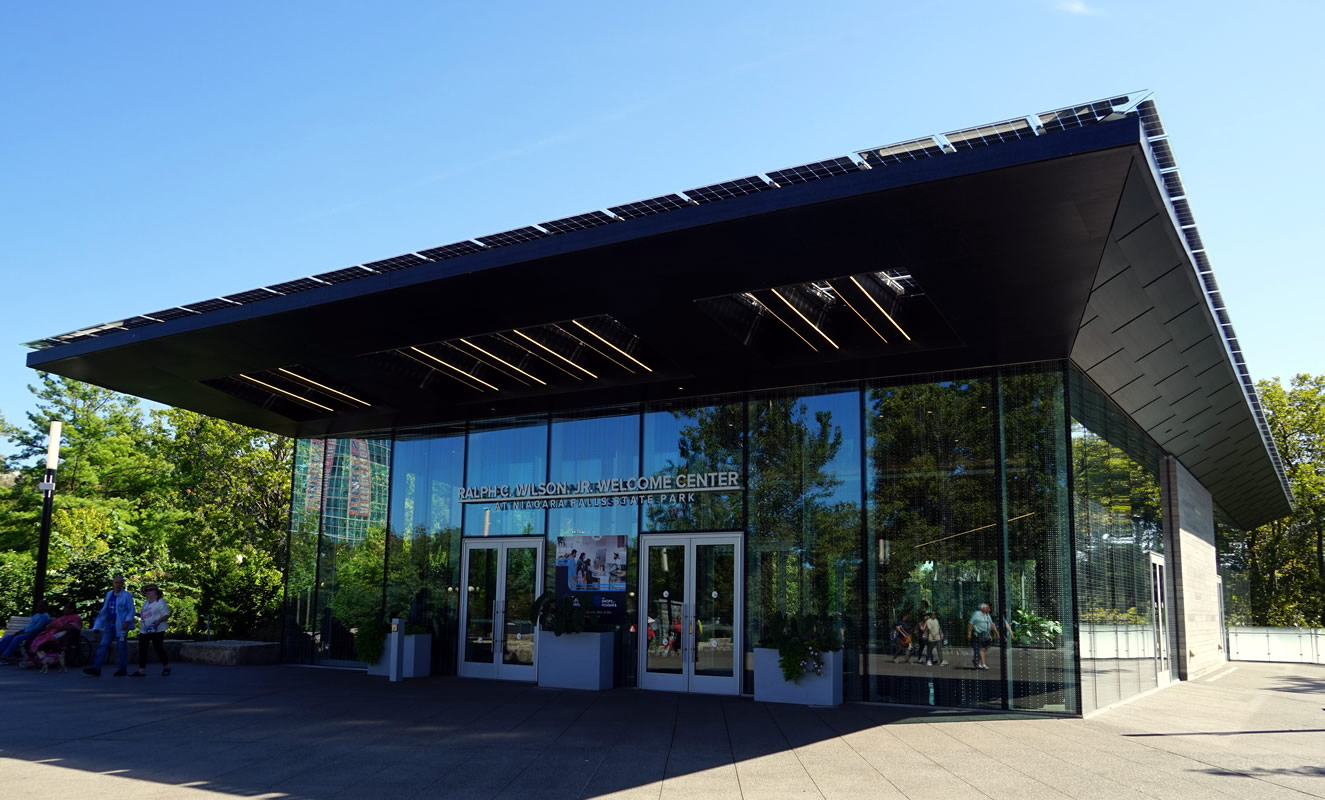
(980, 629)
(9, 645)
(115, 621)
(152, 629)
(934, 640)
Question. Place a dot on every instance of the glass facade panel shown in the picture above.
(1116, 497)
(300, 627)
(1038, 585)
(695, 441)
(351, 555)
(424, 544)
(935, 542)
(512, 454)
(804, 542)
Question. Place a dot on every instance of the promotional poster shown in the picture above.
(592, 569)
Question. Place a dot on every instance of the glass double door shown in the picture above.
(690, 620)
(497, 636)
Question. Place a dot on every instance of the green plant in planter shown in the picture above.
(560, 615)
(1031, 628)
(801, 642)
(369, 640)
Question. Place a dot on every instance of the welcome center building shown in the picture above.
(991, 365)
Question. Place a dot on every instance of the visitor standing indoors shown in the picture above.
(934, 640)
(980, 629)
(115, 621)
(152, 629)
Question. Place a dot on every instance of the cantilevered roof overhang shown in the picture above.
(1063, 235)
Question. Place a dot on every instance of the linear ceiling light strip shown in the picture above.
(431, 369)
(512, 343)
(493, 367)
(588, 344)
(555, 353)
(838, 292)
(291, 395)
(972, 530)
(881, 311)
(312, 382)
(452, 367)
(783, 321)
(582, 326)
(507, 363)
(779, 296)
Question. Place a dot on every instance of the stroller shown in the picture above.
(60, 642)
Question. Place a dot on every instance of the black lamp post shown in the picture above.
(48, 500)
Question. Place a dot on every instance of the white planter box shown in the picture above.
(811, 689)
(418, 656)
(575, 660)
(417, 660)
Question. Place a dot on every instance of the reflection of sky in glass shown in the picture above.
(845, 466)
(592, 450)
(500, 457)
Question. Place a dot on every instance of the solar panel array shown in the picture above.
(878, 157)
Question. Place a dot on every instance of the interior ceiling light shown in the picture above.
(537, 343)
(590, 331)
(881, 311)
(457, 369)
(805, 318)
(503, 337)
(507, 363)
(858, 314)
(323, 387)
(783, 321)
(972, 530)
(287, 394)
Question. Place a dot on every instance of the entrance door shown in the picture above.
(501, 579)
(1160, 622)
(690, 620)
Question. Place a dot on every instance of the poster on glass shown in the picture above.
(592, 570)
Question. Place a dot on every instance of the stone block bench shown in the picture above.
(223, 652)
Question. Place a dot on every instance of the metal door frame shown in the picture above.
(496, 669)
(1159, 584)
(688, 681)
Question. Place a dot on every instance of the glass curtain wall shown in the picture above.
(888, 508)
(1116, 500)
(803, 548)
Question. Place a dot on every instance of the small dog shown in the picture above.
(48, 660)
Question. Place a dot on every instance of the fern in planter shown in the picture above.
(800, 642)
(560, 615)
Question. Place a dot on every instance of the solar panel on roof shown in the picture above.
(1183, 211)
(395, 263)
(814, 171)
(208, 305)
(913, 150)
(728, 189)
(1193, 239)
(1173, 185)
(654, 205)
(990, 134)
(452, 250)
(516, 236)
(137, 322)
(1150, 121)
(1163, 154)
(296, 285)
(169, 314)
(578, 222)
(343, 275)
(251, 296)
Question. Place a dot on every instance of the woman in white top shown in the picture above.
(152, 629)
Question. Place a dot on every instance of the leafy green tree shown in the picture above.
(1282, 564)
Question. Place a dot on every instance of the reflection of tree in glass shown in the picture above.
(710, 441)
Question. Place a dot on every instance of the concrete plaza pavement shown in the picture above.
(1244, 731)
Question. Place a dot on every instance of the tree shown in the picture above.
(1284, 561)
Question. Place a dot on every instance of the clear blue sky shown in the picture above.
(156, 154)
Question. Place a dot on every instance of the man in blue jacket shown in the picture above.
(115, 621)
(9, 645)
